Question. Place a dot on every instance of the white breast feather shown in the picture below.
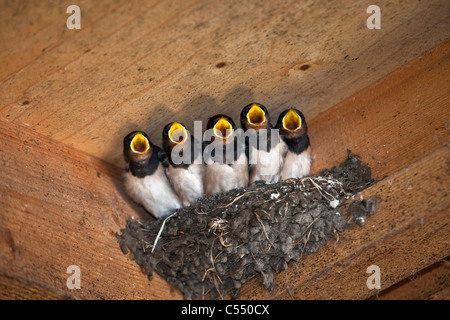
(296, 165)
(240, 170)
(223, 177)
(269, 164)
(187, 183)
(153, 192)
(218, 177)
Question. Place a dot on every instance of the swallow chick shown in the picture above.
(225, 158)
(145, 178)
(265, 147)
(186, 168)
(292, 127)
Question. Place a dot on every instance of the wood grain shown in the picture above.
(397, 120)
(442, 295)
(62, 207)
(424, 284)
(140, 65)
(16, 288)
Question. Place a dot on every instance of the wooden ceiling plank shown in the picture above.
(62, 207)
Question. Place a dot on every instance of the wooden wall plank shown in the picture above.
(140, 66)
(30, 29)
(442, 295)
(61, 207)
(421, 285)
(16, 288)
(398, 120)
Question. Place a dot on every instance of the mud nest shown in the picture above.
(214, 246)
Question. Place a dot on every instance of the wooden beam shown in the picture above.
(424, 284)
(61, 207)
(392, 123)
(441, 295)
(16, 288)
(401, 121)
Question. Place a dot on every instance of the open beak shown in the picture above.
(292, 121)
(223, 129)
(177, 133)
(139, 144)
(256, 115)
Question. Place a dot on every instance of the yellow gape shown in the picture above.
(256, 115)
(291, 121)
(139, 144)
(221, 128)
(177, 133)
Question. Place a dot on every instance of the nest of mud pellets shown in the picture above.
(212, 247)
